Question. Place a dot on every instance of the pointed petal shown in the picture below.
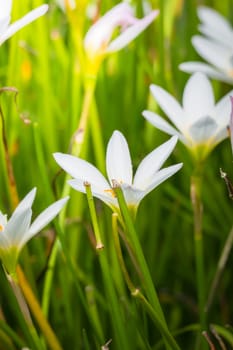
(216, 54)
(152, 163)
(44, 218)
(118, 160)
(99, 35)
(198, 97)
(17, 227)
(163, 175)
(192, 67)
(5, 6)
(215, 25)
(169, 105)
(222, 110)
(132, 32)
(28, 18)
(107, 195)
(26, 202)
(80, 169)
(161, 124)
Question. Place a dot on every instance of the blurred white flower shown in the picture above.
(216, 46)
(63, 3)
(119, 170)
(16, 232)
(200, 123)
(7, 29)
(231, 123)
(97, 41)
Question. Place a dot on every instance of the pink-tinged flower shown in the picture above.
(18, 230)
(7, 29)
(199, 123)
(98, 40)
(119, 169)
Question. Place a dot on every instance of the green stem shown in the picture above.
(196, 180)
(146, 277)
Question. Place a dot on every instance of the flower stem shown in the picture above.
(37, 312)
(195, 193)
(146, 277)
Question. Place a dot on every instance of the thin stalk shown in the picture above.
(99, 243)
(24, 310)
(117, 319)
(146, 277)
(196, 200)
(135, 292)
(220, 268)
(37, 312)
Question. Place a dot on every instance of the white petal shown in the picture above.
(3, 221)
(107, 195)
(17, 226)
(132, 195)
(99, 35)
(132, 32)
(80, 169)
(26, 202)
(28, 18)
(118, 160)
(147, 169)
(222, 110)
(161, 124)
(191, 67)
(216, 54)
(45, 217)
(5, 6)
(4, 22)
(169, 105)
(163, 175)
(5, 244)
(221, 135)
(198, 97)
(215, 25)
(203, 129)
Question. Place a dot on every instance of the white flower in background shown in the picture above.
(231, 123)
(63, 3)
(199, 123)
(16, 232)
(119, 170)
(216, 46)
(98, 42)
(7, 29)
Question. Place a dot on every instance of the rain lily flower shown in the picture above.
(119, 170)
(98, 41)
(16, 232)
(7, 29)
(200, 123)
(216, 46)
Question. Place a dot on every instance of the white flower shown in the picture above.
(64, 3)
(119, 169)
(7, 29)
(16, 232)
(98, 38)
(216, 46)
(200, 123)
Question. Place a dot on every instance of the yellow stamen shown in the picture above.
(1, 228)
(111, 192)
